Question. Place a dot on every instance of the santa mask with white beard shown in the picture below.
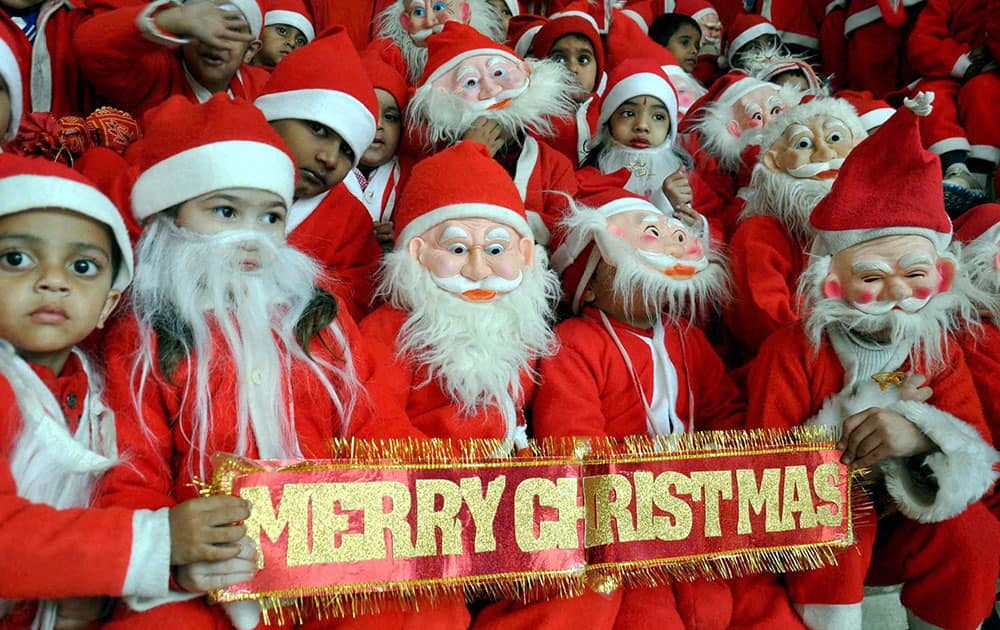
(802, 151)
(470, 77)
(979, 230)
(478, 293)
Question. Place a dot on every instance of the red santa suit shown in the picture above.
(963, 117)
(137, 69)
(795, 22)
(875, 48)
(540, 174)
(378, 191)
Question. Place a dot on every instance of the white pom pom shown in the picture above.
(920, 104)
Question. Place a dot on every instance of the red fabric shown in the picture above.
(190, 615)
(766, 262)
(456, 39)
(356, 17)
(561, 25)
(794, 21)
(945, 30)
(552, 174)
(565, 137)
(833, 47)
(389, 52)
(385, 76)
(983, 356)
(962, 111)
(338, 234)
(136, 74)
(707, 70)
(974, 222)
(949, 568)
(876, 53)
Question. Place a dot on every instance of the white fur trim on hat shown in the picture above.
(512, 7)
(741, 40)
(638, 19)
(28, 192)
(428, 220)
(579, 14)
(526, 39)
(801, 114)
(830, 242)
(876, 117)
(210, 167)
(337, 110)
(444, 68)
(10, 72)
(251, 11)
(641, 84)
(293, 19)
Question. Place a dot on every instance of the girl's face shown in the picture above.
(640, 122)
(577, 54)
(685, 44)
(390, 128)
(235, 209)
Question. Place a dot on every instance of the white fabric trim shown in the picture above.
(40, 76)
(961, 66)
(949, 144)
(831, 616)
(201, 92)
(373, 196)
(251, 11)
(876, 117)
(301, 209)
(789, 37)
(512, 7)
(10, 71)
(148, 572)
(244, 615)
(830, 242)
(663, 403)
(525, 166)
(744, 38)
(583, 137)
(26, 192)
(765, 11)
(209, 167)
(697, 15)
(339, 111)
(834, 5)
(293, 19)
(635, 17)
(146, 24)
(985, 152)
(578, 14)
(539, 232)
(640, 84)
(861, 18)
(428, 220)
(527, 38)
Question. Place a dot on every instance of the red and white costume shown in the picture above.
(795, 21)
(876, 59)
(379, 190)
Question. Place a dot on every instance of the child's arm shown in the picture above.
(932, 49)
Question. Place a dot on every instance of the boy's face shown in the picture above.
(55, 279)
(277, 41)
(322, 158)
(390, 127)
(232, 209)
(640, 122)
(213, 67)
(685, 44)
(4, 110)
(577, 54)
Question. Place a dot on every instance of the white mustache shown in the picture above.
(810, 170)
(423, 34)
(908, 305)
(503, 96)
(460, 284)
(662, 262)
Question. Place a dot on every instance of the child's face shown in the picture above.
(55, 279)
(685, 44)
(233, 209)
(277, 41)
(213, 67)
(390, 127)
(577, 54)
(640, 122)
(4, 110)
(322, 158)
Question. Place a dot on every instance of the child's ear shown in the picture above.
(109, 305)
(252, 49)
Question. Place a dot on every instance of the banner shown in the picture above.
(389, 522)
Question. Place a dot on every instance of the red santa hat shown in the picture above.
(746, 27)
(476, 187)
(801, 114)
(983, 219)
(10, 74)
(889, 185)
(521, 31)
(386, 77)
(454, 44)
(292, 13)
(340, 97)
(639, 13)
(639, 77)
(775, 67)
(627, 41)
(695, 9)
(721, 97)
(574, 251)
(192, 149)
(573, 19)
(251, 10)
(874, 112)
(33, 183)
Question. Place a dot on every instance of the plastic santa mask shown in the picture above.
(891, 272)
(640, 122)
(755, 109)
(422, 18)
(662, 243)
(814, 150)
(487, 81)
(711, 33)
(477, 260)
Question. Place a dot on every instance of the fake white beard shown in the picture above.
(649, 167)
(441, 117)
(659, 293)
(978, 260)
(476, 352)
(925, 332)
(188, 284)
(482, 18)
(789, 199)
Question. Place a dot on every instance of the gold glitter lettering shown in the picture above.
(372, 497)
(483, 508)
(678, 525)
(429, 520)
(645, 484)
(561, 495)
(825, 479)
(715, 484)
(762, 500)
(797, 497)
(598, 491)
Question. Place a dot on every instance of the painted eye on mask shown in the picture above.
(834, 137)
(458, 249)
(804, 143)
(470, 84)
(438, 7)
(499, 73)
(495, 249)
(419, 12)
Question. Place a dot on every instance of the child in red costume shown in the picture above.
(65, 259)
(327, 120)
(138, 56)
(287, 27)
(225, 318)
(879, 307)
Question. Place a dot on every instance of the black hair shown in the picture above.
(117, 255)
(665, 25)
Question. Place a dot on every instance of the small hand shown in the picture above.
(200, 577)
(913, 388)
(487, 132)
(206, 22)
(677, 188)
(205, 529)
(876, 434)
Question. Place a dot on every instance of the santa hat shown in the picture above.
(191, 149)
(695, 9)
(480, 189)
(340, 97)
(747, 27)
(874, 112)
(454, 44)
(290, 13)
(574, 252)
(385, 77)
(780, 65)
(981, 220)
(573, 19)
(521, 31)
(627, 41)
(10, 73)
(639, 13)
(805, 111)
(251, 10)
(32, 183)
(639, 77)
(889, 185)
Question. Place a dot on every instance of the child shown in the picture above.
(380, 174)
(11, 97)
(749, 34)
(65, 259)
(327, 120)
(287, 26)
(225, 318)
(138, 56)
(681, 35)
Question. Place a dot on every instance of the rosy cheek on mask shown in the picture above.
(648, 239)
(946, 273)
(996, 262)
(832, 290)
(866, 297)
(922, 293)
(614, 230)
(755, 123)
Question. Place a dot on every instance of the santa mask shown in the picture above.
(661, 243)
(813, 150)
(422, 18)
(755, 109)
(711, 33)
(487, 81)
(476, 260)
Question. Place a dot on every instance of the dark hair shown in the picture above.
(665, 25)
(116, 253)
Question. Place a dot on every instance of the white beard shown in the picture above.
(925, 332)
(440, 117)
(789, 199)
(188, 284)
(978, 260)
(649, 167)
(477, 353)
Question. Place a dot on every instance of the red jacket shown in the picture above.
(541, 174)
(135, 73)
(982, 353)
(794, 20)
(944, 34)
